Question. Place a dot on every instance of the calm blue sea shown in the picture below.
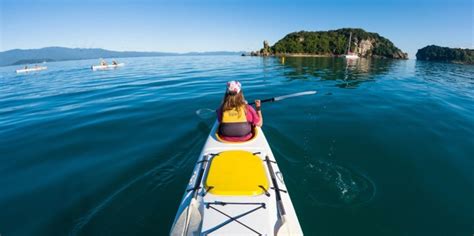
(385, 148)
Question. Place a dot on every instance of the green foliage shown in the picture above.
(333, 42)
(437, 53)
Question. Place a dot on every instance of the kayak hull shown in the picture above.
(107, 67)
(218, 214)
(39, 68)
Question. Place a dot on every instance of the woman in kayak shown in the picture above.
(237, 118)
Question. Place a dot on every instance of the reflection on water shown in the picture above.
(349, 73)
(446, 74)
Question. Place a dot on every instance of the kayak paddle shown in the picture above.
(283, 225)
(279, 98)
(190, 217)
(206, 112)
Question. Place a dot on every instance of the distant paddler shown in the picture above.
(103, 62)
(104, 66)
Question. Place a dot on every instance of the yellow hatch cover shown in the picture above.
(236, 173)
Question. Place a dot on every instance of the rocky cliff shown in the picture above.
(334, 43)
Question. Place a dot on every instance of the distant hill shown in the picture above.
(32, 61)
(445, 54)
(31, 56)
(334, 43)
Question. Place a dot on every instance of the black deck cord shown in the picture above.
(264, 190)
(220, 203)
(207, 190)
(200, 174)
(235, 219)
(275, 187)
(199, 178)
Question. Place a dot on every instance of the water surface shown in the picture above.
(385, 148)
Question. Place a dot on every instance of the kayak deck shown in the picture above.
(235, 194)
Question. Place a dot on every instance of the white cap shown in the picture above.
(234, 86)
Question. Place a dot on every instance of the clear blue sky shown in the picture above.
(202, 25)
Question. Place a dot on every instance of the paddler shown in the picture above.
(103, 62)
(114, 62)
(236, 118)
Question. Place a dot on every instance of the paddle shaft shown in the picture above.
(275, 187)
(264, 100)
(194, 194)
(200, 174)
(204, 111)
(285, 97)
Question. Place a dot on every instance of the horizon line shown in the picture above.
(171, 52)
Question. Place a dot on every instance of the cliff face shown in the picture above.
(336, 42)
(445, 54)
(373, 48)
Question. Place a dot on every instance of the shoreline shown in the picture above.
(303, 55)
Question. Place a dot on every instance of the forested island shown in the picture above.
(445, 54)
(333, 43)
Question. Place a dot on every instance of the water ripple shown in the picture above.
(110, 152)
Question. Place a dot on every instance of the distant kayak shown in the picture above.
(38, 68)
(106, 67)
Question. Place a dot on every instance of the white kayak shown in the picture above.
(32, 69)
(236, 189)
(106, 67)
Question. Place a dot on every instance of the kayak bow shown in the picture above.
(236, 189)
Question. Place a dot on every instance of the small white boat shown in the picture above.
(106, 67)
(349, 54)
(236, 189)
(32, 69)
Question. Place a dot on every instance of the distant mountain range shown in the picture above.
(31, 56)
